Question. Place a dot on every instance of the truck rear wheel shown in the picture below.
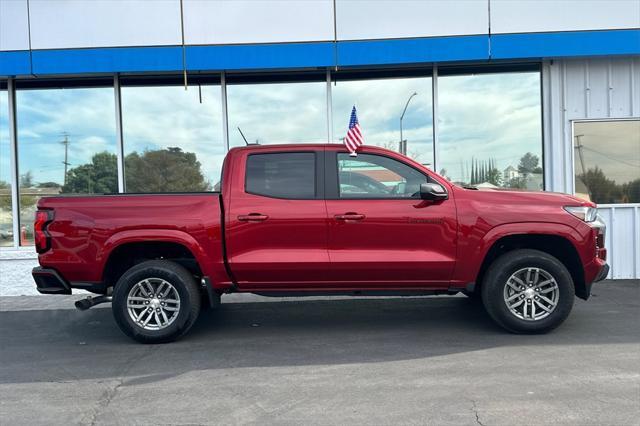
(156, 301)
(528, 291)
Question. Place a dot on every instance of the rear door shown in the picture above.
(381, 234)
(277, 220)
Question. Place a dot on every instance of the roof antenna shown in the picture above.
(242, 134)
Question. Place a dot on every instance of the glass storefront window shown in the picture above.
(380, 104)
(6, 223)
(66, 144)
(607, 161)
(172, 138)
(490, 129)
(277, 113)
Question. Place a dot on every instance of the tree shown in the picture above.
(165, 170)
(4, 184)
(601, 189)
(494, 176)
(529, 164)
(100, 176)
(49, 185)
(632, 191)
(26, 180)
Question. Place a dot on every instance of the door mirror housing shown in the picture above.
(433, 192)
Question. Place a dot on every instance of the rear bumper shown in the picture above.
(48, 281)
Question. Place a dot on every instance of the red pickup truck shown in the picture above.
(294, 220)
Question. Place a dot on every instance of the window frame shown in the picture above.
(318, 176)
(332, 181)
(572, 152)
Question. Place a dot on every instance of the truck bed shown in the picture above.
(85, 229)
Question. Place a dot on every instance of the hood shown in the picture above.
(518, 195)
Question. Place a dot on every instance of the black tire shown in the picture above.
(495, 281)
(179, 278)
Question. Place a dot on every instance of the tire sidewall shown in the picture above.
(496, 280)
(139, 273)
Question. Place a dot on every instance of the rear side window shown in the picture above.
(289, 175)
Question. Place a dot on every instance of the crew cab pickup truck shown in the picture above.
(294, 220)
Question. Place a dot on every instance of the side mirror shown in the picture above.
(433, 192)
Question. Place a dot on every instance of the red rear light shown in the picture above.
(41, 236)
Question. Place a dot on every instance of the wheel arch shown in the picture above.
(125, 250)
(558, 245)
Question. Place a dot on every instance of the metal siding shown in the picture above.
(621, 80)
(598, 89)
(604, 88)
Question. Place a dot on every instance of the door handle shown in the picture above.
(252, 217)
(349, 216)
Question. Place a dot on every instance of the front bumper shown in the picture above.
(602, 274)
(48, 281)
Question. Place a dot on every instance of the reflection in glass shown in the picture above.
(380, 104)
(607, 161)
(6, 226)
(66, 144)
(490, 129)
(377, 176)
(172, 138)
(277, 113)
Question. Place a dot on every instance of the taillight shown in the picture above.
(40, 234)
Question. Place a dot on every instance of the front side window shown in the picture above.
(376, 176)
(290, 175)
(607, 161)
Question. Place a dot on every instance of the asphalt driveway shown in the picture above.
(432, 360)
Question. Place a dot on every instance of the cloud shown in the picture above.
(483, 116)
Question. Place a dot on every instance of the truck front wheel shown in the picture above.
(528, 291)
(156, 301)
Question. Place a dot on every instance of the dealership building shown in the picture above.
(147, 96)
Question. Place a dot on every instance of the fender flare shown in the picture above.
(153, 235)
(498, 232)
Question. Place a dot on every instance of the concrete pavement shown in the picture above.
(432, 360)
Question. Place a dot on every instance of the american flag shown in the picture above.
(354, 136)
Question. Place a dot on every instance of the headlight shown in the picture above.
(587, 214)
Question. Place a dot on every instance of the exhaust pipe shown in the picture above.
(84, 304)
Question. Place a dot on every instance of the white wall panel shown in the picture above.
(100, 23)
(257, 21)
(14, 28)
(375, 19)
(596, 89)
(623, 239)
(521, 16)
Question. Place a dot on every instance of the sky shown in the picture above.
(481, 116)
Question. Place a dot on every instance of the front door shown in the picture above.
(381, 234)
(277, 227)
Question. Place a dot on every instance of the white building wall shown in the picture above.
(250, 21)
(357, 20)
(59, 24)
(523, 16)
(14, 33)
(603, 88)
